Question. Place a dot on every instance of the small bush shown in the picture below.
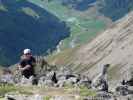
(47, 98)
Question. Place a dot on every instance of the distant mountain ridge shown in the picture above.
(113, 9)
(116, 9)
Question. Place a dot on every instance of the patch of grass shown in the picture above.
(68, 86)
(9, 88)
(26, 92)
(30, 12)
(82, 91)
(2, 98)
(87, 92)
(6, 89)
(63, 58)
(82, 31)
(3, 8)
(47, 98)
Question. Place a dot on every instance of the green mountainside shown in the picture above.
(113, 9)
(25, 25)
(83, 25)
(85, 17)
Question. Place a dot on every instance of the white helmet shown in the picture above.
(27, 51)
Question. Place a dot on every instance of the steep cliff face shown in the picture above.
(114, 46)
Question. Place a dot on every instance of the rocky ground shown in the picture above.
(61, 84)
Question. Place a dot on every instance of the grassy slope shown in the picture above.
(82, 26)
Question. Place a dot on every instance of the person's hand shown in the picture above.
(21, 69)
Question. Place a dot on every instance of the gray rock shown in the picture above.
(36, 97)
(9, 97)
(72, 80)
(61, 77)
(124, 90)
(104, 95)
(17, 76)
(41, 81)
(61, 83)
(26, 82)
(7, 78)
(101, 81)
(49, 75)
(84, 81)
(23, 97)
(48, 83)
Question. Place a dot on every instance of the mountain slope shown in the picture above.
(85, 18)
(113, 9)
(116, 9)
(114, 46)
(83, 25)
(51, 21)
(25, 25)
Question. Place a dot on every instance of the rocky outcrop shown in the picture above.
(65, 78)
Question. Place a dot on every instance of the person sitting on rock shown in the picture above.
(27, 63)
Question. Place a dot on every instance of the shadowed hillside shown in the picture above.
(78, 4)
(116, 9)
(113, 9)
(25, 25)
